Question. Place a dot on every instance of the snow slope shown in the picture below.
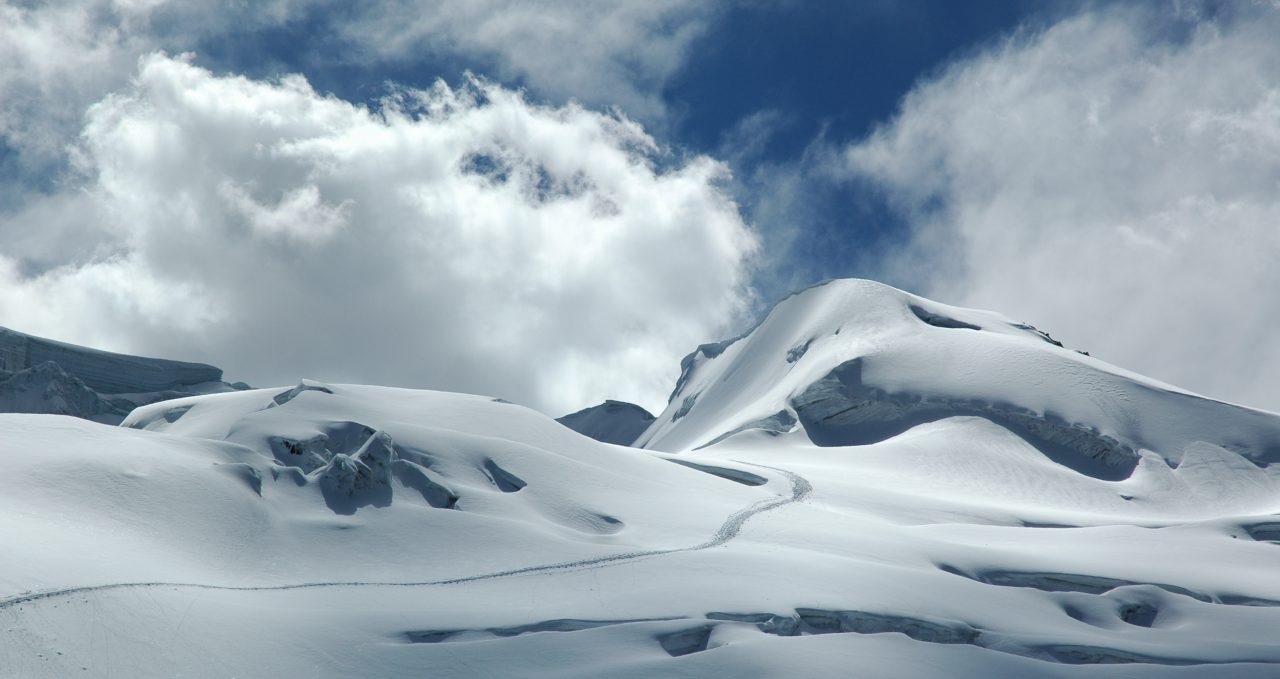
(868, 482)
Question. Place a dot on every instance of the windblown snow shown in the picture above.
(868, 483)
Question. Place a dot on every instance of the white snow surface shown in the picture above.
(867, 483)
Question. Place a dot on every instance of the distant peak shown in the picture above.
(617, 422)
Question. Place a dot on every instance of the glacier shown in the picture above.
(39, 375)
(867, 483)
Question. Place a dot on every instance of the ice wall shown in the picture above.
(103, 371)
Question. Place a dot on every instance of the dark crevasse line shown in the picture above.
(694, 634)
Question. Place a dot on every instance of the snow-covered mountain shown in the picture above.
(611, 422)
(866, 484)
(42, 376)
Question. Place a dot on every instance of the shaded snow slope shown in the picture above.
(856, 362)
(41, 376)
(867, 482)
(103, 371)
(46, 388)
(616, 422)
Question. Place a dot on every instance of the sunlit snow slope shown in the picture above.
(867, 484)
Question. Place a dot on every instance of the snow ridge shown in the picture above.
(866, 478)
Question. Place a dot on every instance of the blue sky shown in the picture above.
(828, 71)
(616, 182)
(842, 67)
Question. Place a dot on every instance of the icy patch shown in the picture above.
(769, 623)
(503, 479)
(1098, 655)
(303, 386)
(798, 351)
(306, 454)
(174, 414)
(1066, 582)
(839, 410)
(312, 453)
(820, 621)
(685, 407)
(559, 625)
(780, 422)
(686, 641)
(1245, 600)
(349, 482)
(735, 475)
(1138, 614)
(1040, 333)
(1138, 606)
(415, 476)
(1266, 531)
(940, 321)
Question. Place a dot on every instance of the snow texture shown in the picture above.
(867, 480)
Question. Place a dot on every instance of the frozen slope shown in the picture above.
(867, 482)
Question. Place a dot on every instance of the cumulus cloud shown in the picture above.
(210, 204)
(1114, 179)
(456, 237)
(59, 56)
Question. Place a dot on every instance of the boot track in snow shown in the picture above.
(800, 489)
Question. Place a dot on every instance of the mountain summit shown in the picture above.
(855, 362)
(867, 479)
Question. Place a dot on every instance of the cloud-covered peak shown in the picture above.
(1112, 178)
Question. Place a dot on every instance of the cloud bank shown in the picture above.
(58, 57)
(457, 237)
(1114, 179)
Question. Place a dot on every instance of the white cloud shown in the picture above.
(55, 60)
(153, 206)
(605, 53)
(1111, 181)
(59, 56)
(457, 238)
